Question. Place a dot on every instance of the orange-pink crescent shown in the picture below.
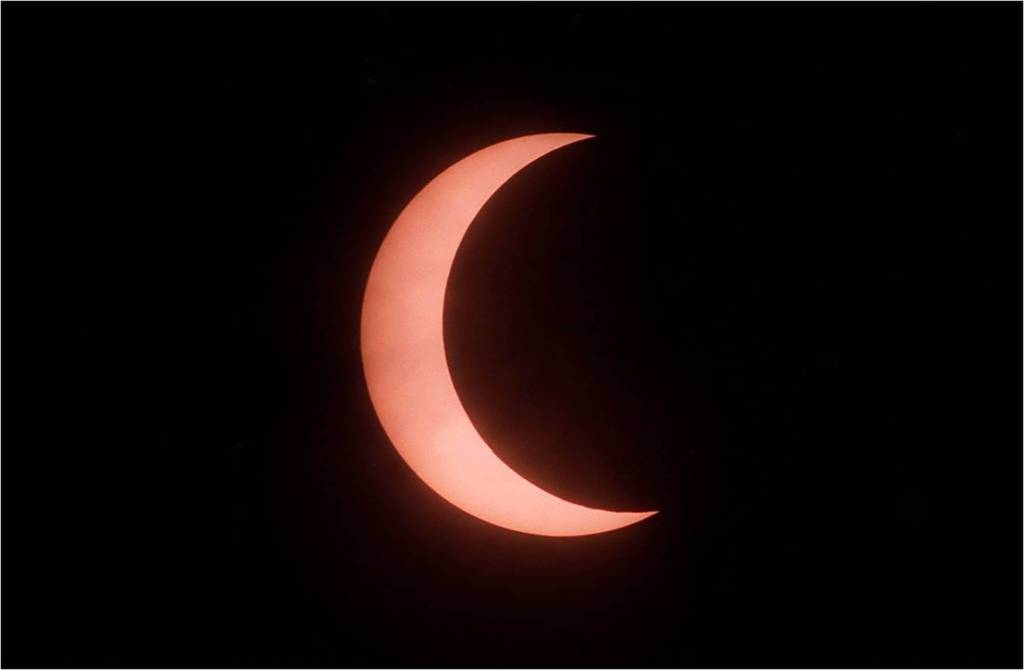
(407, 369)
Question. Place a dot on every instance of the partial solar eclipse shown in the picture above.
(407, 369)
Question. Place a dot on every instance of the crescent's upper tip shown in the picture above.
(575, 137)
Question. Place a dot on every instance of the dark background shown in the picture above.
(778, 299)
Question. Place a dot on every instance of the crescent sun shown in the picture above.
(406, 367)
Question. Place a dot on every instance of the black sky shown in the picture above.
(777, 298)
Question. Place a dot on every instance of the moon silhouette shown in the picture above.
(406, 366)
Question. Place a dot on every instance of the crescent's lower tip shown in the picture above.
(633, 518)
